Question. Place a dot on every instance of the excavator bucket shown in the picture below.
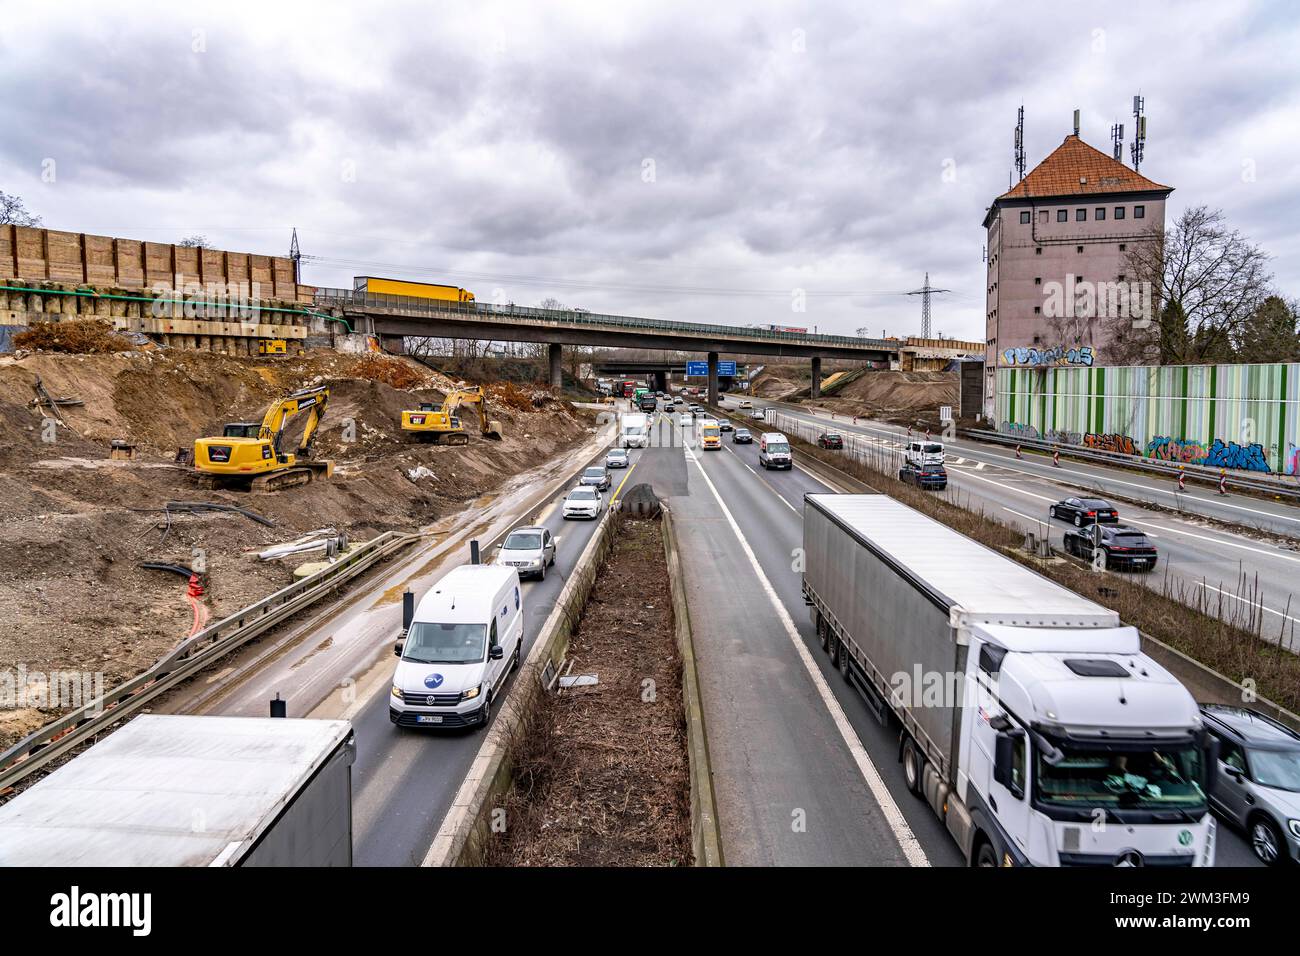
(493, 430)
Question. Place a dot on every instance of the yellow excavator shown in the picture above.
(441, 425)
(253, 453)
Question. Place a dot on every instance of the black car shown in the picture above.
(741, 436)
(930, 478)
(725, 426)
(1123, 546)
(1084, 511)
(830, 440)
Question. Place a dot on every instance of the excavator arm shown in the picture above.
(474, 396)
(279, 414)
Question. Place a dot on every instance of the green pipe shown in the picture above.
(144, 298)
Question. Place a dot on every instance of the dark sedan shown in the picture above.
(930, 478)
(1084, 511)
(724, 425)
(741, 436)
(1122, 547)
(830, 440)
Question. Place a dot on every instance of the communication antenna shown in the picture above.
(925, 292)
(1020, 142)
(296, 255)
(1117, 141)
(1076, 122)
(1139, 131)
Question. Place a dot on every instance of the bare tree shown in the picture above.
(195, 242)
(1206, 282)
(13, 210)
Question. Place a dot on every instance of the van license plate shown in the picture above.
(429, 719)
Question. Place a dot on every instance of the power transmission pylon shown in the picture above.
(925, 292)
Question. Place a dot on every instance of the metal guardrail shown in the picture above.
(1276, 485)
(191, 656)
(361, 301)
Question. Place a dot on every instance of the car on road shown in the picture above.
(596, 476)
(678, 400)
(741, 436)
(774, 451)
(684, 419)
(582, 502)
(928, 477)
(1255, 785)
(1084, 511)
(725, 426)
(758, 415)
(529, 550)
(1123, 547)
(746, 404)
(830, 440)
(616, 458)
(696, 409)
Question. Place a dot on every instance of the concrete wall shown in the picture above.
(75, 258)
(1227, 416)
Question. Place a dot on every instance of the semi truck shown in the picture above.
(166, 790)
(1029, 720)
(373, 285)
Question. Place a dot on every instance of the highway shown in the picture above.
(804, 772)
(1198, 553)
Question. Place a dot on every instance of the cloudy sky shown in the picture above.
(697, 161)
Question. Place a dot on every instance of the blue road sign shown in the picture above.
(726, 368)
(697, 368)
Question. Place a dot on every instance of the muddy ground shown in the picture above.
(603, 777)
(903, 398)
(75, 525)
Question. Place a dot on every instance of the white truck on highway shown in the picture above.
(1030, 720)
(634, 430)
(168, 790)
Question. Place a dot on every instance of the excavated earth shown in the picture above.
(76, 525)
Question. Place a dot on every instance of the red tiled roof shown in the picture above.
(1076, 169)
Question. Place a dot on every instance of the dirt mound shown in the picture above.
(905, 398)
(72, 335)
(78, 523)
(781, 381)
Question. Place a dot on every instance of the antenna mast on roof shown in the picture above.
(925, 292)
(1076, 122)
(1117, 141)
(1139, 131)
(1020, 142)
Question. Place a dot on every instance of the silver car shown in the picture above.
(1256, 783)
(616, 458)
(529, 550)
(596, 476)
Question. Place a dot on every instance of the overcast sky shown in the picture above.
(695, 161)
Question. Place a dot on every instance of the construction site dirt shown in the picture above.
(80, 519)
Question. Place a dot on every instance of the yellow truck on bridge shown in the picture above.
(372, 285)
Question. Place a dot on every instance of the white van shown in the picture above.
(634, 430)
(924, 452)
(774, 451)
(466, 636)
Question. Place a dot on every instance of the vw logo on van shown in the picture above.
(432, 681)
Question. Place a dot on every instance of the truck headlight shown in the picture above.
(471, 693)
(397, 692)
(1294, 826)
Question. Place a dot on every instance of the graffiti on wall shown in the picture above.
(1057, 355)
(1232, 455)
(1166, 448)
(1112, 441)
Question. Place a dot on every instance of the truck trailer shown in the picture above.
(167, 790)
(374, 285)
(1029, 719)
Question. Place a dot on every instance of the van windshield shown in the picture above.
(777, 447)
(428, 643)
(932, 449)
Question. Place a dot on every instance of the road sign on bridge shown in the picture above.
(702, 368)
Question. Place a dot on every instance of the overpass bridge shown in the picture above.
(393, 318)
(660, 370)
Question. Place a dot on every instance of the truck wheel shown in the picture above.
(823, 632)
(846, 662)
(487, 711)
(913, 766)
(835, 652)
(987, 855)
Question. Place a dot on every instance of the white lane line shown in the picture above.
(1219, 541)
(893, 816)
(1262, 607)
(1027, 517)
(778, 494)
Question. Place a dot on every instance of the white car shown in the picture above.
(582, 502)
(685, 418)
(528, 550)
(746, 404)
(465, 637)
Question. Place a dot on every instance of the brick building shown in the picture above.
(1058, 246)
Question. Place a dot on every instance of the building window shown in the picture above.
(1037, 310)
(1123, 246)
(1042, 216)
(1139, 212)
(1078, 249)
(1099, 213)
(1038, 250)
(1121, 278)
(1062, 215)
(1038, 280)
(1119, 212)
(1081, 215)
(1024, 218)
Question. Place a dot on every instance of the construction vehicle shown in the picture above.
(441, 425)
(253, 452)
(272, 347)
(372, 285)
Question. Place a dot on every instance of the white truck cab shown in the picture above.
(466, 635)
(634, 430)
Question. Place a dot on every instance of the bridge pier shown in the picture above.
(816, 390)
(713, 378)
(555, 353)
(661, 381)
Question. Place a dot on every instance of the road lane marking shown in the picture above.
(907, 841)
(779, 496)
(614, 497)
(1262, 607)
(1230, 544)
(1027, 517)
